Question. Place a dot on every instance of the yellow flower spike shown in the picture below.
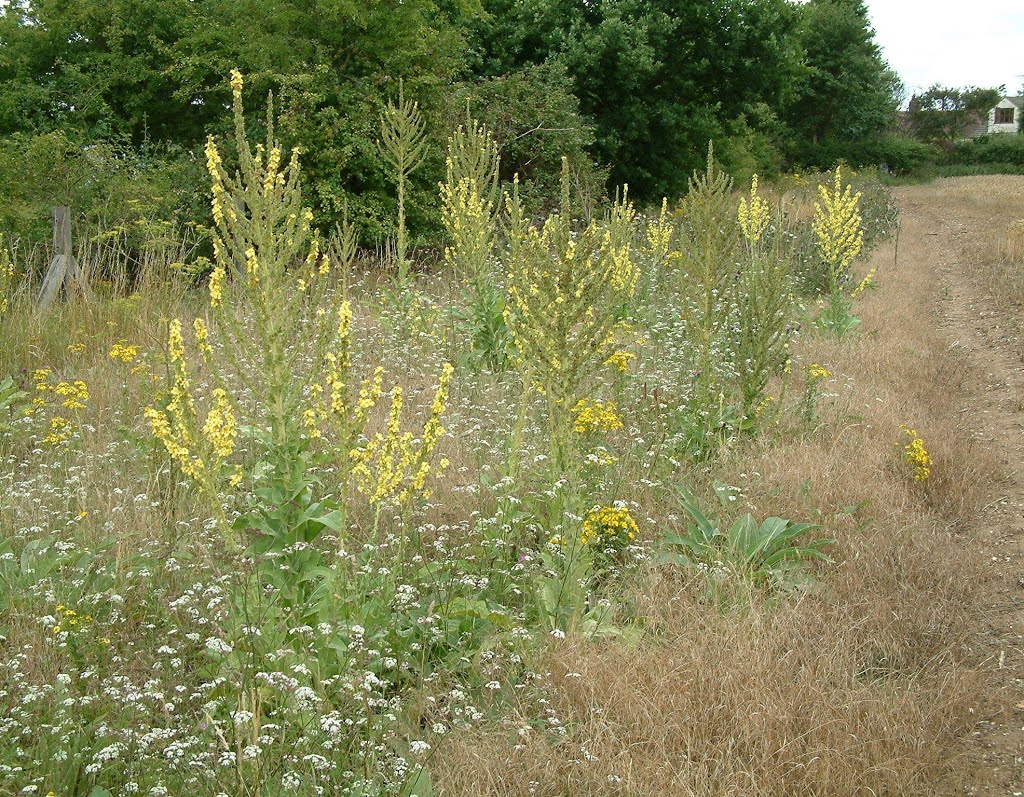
(175, 343)
(202, 338)
(236, 83)
(217, 287)
(220, 428)
(658, 236)
(838, 227)
(754, 215)
(865, 283)
(252, 264)
(273, 164)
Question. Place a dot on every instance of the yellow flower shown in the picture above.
(175, 343)
(217, 286)
(609, 525)
(838, 227)
(916, 455)
(815, 371)
(620, 360)
(202, 337)
(123, 352)
(595, 416)
(865, 283)
(220, 427)
(753, 215)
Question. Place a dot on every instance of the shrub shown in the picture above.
(990, 150)
(535, 119)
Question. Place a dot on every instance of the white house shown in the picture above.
(1004, 118)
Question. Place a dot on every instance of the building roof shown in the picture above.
(1018, 101)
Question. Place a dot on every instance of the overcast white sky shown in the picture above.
(969, 42)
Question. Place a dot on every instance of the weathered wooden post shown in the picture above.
(63, 268)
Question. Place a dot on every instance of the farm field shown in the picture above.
(719, 498)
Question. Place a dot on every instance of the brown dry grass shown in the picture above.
(985, 216)
(861, 688)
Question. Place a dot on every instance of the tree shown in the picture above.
(141, 71)
(659, 78)
(940, 114)
(848, 94)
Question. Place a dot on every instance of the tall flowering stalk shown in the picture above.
(839, 232)
(469, 211)
(838, 228)
(200, 449)
(565, 291)
(754, 216)
(403, 146)
(709, 240)
(282, 332)
(270, 285)
(763, 300)
(6, 279)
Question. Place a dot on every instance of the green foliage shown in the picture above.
(13, 402)
(108, 185)
(901, 153)
(836, 318)
(848, 93)
(990, 150)
(745, 558)
(940, 114)
(675, 73)
(535, 119)
(767, 80)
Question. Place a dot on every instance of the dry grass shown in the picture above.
(861, 688)
(985, 216)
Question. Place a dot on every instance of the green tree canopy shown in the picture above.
(659, 78)
(848, 94)
(940, 114)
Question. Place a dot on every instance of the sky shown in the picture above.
(972, 43)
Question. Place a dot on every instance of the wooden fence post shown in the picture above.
(63, 268)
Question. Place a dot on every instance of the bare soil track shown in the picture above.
(949, 230)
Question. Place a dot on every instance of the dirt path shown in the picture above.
(947, 229)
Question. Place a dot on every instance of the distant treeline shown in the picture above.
(106, 104)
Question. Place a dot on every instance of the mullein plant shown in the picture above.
(567, 286)
(7, 279)
(708, 240)
(403, 147)
(839, 233)
(763, 325)
(566, 289)
(282, 333)
(657, 250)
(469, 211)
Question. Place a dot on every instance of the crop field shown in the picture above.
(599, 500)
